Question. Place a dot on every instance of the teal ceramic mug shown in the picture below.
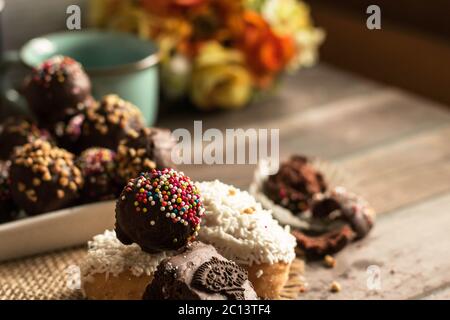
(117, 63)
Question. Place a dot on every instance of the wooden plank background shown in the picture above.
(394, 146)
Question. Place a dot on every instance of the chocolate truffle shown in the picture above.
(98, 167)
(8, 210)
(55, 89)
(159, 210)
(151, 148)
(68, 131)
(108, 122)
(199, 273)
(295, 184)
(44, 178)
(17, 131)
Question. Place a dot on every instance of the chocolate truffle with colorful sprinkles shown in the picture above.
(159, 210)
(16, 131)
(44, 178)
(98, 168)
(108, 122)
(8, 210)
(55, 89)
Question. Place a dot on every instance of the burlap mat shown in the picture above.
(45, 277)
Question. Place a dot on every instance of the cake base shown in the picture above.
(268, 279)
(124, 286)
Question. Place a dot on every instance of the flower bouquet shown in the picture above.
(219, 54)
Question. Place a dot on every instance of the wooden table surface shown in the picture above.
(394, 146)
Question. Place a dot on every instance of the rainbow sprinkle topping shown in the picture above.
(170, 191)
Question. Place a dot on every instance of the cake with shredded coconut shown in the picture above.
(242, 231)
(112, 270)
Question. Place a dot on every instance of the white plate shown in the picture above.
(55, 230)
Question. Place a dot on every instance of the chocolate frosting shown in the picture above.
(199, 272)
(295, 184)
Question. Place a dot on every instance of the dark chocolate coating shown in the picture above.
(67, 132)
(295, 184)
(150, 148)
(55, 88)
(17, 131)
(134, 227)
(8, 209)
(347, 207)
(108, 122)
(44, 178)
(199, 272)
(98, 167)
(145, 218)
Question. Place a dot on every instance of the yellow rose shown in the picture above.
(219, 79)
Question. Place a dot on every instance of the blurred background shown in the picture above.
(411, 51)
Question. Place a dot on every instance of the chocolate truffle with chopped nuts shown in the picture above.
(57, 89)
(8, 210)
(44, 178)
(199, 272)
(159, 210)
(17, 131)
(108, 122)
(295, 184)
(98, 167)
(151, 148)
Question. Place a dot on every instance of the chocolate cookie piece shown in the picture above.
(295, 184)
(151, 148)
(108, 122)
(98, 167)
(8, 209)
(55, 89)
(17, 131)
(317, 246)
(159, 210)
(199, 273)
(340, 204)
(44, 178)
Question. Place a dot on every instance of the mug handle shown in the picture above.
(9, 93)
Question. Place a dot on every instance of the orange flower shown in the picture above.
(166, 7)
(267, 52)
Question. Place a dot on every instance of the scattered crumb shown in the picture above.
(335, 287)
(231, 192)
(303, 289)
(392, 271)
(329, 261)
(259, 273)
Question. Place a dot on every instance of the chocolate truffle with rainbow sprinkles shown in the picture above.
(159, 210)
